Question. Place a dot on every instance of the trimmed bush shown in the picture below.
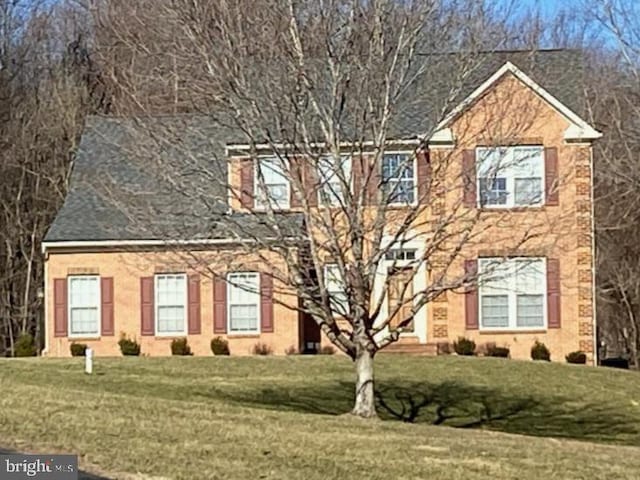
(327, 350)
(577, 357)
(219, 346)
(465, 347)
(291, 350)
(25, 346)
(539, 351)
(262, 349)
(494, 351)
(128, 346)
(78, 349)
(180, 346)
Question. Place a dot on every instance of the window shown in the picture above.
(512, 293)
(336, 290)
(84, 305)
(273, 188)
(398, 177)
(244, 302)
(400, 254)
(171, 301)
(333, 171)
(510, 176)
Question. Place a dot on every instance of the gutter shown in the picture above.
(46, 246)
(45, 352)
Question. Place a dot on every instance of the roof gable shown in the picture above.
(579, 130)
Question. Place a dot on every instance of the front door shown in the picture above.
(400, 293)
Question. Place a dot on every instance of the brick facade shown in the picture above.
(567, 238)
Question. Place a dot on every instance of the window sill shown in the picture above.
(231, 335)
(513, 331)
(533, 208)
(170, 336)
(84, 337)
(399, 206)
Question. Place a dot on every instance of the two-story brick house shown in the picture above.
(109, 274)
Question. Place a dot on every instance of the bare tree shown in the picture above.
(614, 103)
(323, 90)
(47, 86)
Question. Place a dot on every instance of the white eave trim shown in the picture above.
(140, 243)
(241, 149)
(576, 134)
(578, 130)
(443, 137)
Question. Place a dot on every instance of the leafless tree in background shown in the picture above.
(47, 86)
(615, 103)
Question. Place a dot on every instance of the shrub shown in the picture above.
(577, 357)
(78, 349)
(494, 351)
(444, 348)
(25, 346)
(219, 346)
(539, 351)
(483, 348)
(180, 346)
(262, 349)
(327, 350)
(291, 350)
(128, 346)
(464, 346)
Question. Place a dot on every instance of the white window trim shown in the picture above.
(156, 305)
(414, 155)
(513, 317)
(417, 242)
(99, 314)
(231, 333)
(323, 204)
(510, 183)
(258, 205)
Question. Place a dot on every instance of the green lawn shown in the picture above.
(280, 418)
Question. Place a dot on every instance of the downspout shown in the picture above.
(46, 304)
(593, 260)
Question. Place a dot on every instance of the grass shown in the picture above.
(275, 418)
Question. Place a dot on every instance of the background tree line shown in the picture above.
(63, 60)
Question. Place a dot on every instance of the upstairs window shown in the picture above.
(334, 172)
(272, 184)
(510, 176)
(512, 293)
(244, 302)
(171, 304)
(398, 178)
(84, 305)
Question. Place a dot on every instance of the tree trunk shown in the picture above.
(365, 406)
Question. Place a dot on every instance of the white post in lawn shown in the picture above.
(88, 361)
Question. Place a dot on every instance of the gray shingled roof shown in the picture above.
(158, 178)
(118, 190)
